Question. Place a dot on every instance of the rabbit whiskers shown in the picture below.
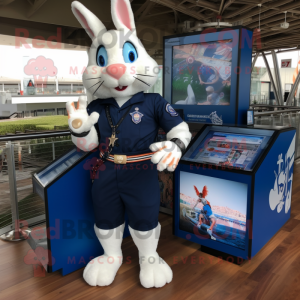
(144, 75)
(94, 84)
(142, 81)
(98, 87)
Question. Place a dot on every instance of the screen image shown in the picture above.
(250, 117)
(202, 73)
(213, 208)
(239, 151)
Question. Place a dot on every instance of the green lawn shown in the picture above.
(39, 123)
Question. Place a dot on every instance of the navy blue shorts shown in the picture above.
(132, 188)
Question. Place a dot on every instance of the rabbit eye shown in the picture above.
(101, 56)
(129, 53)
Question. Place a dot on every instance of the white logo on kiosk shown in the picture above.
(215, 119)
(281, 195)
(136, 116)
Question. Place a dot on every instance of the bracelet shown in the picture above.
(80, 135)
(179, 143)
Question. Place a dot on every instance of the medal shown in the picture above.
(112, 140)
(113, 137)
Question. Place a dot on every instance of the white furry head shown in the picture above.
(119, 65)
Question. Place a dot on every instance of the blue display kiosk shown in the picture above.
(68, 242)
(248, 172)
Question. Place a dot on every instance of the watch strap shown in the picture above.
(179, 143)
(81, 134)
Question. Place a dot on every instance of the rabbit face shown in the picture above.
(119, 65)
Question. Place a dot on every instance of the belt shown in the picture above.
(124, 159)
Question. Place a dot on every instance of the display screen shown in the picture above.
(239, 151)
(59, 166)
(213, 208)
(202, 73)
(250, 117)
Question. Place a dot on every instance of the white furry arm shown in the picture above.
(181, 132)
(83, 132)
(167, 154)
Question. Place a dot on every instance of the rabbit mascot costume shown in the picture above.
(119, 116)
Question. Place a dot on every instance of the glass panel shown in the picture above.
(12, 88)
(5, 205)
(64, 88)
(58, 167)
(30, 156)
(78, 88)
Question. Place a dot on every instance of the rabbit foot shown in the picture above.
(155, 272)
(102, 270)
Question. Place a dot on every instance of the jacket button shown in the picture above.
(117, 145)
(118, 132)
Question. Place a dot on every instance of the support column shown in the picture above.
(254, 60)
(56, 82)
(271, 78)
(17, 233)
(278, 77)
(22, 87)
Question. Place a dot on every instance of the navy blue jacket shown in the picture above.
(139, 129)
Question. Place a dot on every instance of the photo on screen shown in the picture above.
(238, 151)
(213, 208)
(202, 73)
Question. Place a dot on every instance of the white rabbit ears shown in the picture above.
(121, 12)
(92, 25)
(122, 15)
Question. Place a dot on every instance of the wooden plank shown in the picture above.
(251, 265)
(272, 274)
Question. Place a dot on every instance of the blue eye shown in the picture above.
(129, 53)
(101, 56)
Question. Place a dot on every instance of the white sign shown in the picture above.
(286, 63)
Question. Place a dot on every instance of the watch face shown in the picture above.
(179, 143)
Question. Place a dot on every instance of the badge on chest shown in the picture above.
(136, 116)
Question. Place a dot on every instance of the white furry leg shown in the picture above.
(155, 272)
(103, 269)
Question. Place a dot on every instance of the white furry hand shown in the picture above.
(167, 155)
(79, 120)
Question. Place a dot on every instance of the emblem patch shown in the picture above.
(136, 116)
(171, 110)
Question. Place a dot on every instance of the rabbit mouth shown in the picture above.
(121, 88)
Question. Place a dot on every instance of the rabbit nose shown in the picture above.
(116, 70)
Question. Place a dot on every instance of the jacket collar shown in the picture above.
(139, 97)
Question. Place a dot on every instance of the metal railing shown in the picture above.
(258, 100)
(51, 90)
(287, 117)
(20, 157)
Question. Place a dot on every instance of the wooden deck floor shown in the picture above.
(274, 273)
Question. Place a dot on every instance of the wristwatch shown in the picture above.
(79, 135)
(179, 143)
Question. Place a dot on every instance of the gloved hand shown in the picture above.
(167, 155)
(79, 120)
